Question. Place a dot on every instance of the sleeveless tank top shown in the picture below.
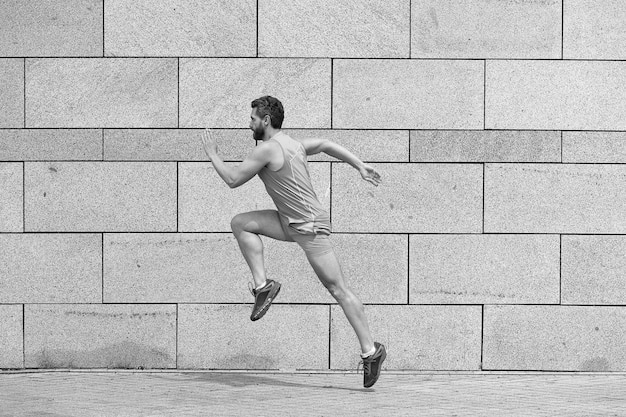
(291, 190)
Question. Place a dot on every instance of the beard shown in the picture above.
(258, 133)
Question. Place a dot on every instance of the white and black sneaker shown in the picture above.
(263, 298)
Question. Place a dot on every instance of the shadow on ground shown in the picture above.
(240, 380)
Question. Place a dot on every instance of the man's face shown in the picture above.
(257, 126)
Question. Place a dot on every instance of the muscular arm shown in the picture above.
(313, 146)
(234, 176)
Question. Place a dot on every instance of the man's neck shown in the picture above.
(270, 133)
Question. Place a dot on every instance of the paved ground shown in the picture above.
(169, 393)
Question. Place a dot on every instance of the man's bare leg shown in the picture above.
(328, 270)
(247, 227)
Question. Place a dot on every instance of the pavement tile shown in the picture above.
(304, 394)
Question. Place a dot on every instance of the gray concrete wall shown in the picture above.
(496, 241)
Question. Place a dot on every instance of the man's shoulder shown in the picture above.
(267, 148)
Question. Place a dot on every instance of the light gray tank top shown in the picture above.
(291, 189)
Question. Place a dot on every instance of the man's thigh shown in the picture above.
(263, 222)
(327, 268)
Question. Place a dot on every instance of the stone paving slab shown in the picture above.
(131, 393)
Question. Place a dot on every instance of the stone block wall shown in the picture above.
(496, 241)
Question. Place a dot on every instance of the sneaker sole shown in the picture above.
(265, 306)
(380, 368)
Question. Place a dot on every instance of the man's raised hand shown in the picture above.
(370, 175)
(210, 145)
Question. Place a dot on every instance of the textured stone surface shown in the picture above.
(594, 30)
(11, 93)
(11, 199)
(408, 94)
(51, 28)
(566, 95)
(207, 204)
(486, 29)
(288, 337)
(485, 146)
(100, 336)
(554, 338)
(174, 144)
(554, 198)
(218, 93)
(11, 342)
(432, 198)
(138, 92)
(180, 28)
(346, 28)
(174, 267)
(183, 267)
(51, 268)
(594, 270)
(484, 269)
(374, 268)
(304, 393)
(416, 337)
(368, 145)
(594, 147)
(50, 144)
(100, 196)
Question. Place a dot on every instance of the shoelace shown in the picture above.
(367, 366)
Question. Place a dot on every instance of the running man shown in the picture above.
(281, 163)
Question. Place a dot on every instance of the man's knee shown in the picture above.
(339, 292)
(237, 223)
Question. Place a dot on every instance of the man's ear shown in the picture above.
(267, 120)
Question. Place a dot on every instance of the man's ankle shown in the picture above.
(369, 353)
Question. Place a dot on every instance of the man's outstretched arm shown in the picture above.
(313, 146)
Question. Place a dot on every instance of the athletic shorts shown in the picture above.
(313, 237)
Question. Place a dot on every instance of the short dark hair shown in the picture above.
(268, 105)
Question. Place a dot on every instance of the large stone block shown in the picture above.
(180, 28)
(138, 92)
(555, 198)
(174, 267)
(486, 29)
(11, 197)
(347, 28)
(484, 269)
(485, 146)
(594, 270)
(374, 268)
(368, 145)
(594, 147)
(183, 267)
(288, 337)
(100, 196)
(432, 198)
(594, 30)
(563, 95)
(408, 94)
(11, 342)
(416, 337)
(50, 144)
(207, 204)
(554, 338)
(174, 144)
(51, 268)
(11, 93)
(218, 92)
(51, 28)
(100, 336)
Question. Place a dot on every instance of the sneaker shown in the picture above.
(372, 365)
(263, 298)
